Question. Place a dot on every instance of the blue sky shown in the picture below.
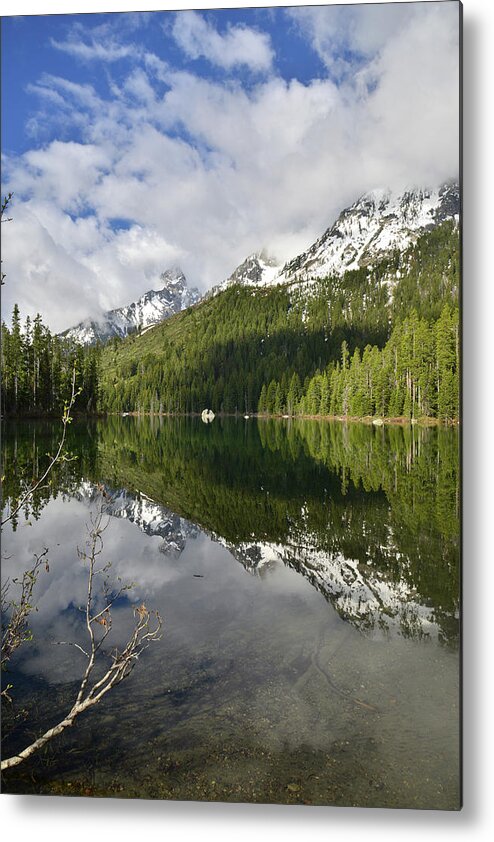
(134, 142)
(28, 53)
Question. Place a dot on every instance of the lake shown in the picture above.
(308, 577)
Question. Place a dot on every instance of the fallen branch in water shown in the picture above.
(147, 628)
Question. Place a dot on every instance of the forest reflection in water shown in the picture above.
(338, 656)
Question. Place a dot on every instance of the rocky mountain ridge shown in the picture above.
(372, 602)
(376, 224)
(150, 517)
(362, 595)
(151, 308)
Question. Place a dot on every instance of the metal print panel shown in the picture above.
(230, 401)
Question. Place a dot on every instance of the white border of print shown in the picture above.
(28, 817)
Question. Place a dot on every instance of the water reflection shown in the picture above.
(368, 516)
(146, 514)
(308, 577)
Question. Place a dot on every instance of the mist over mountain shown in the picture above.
(151, 308)
(379, 223)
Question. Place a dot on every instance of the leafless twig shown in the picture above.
(5, 203)
(16, 631)
(66, 419)
(147, 628)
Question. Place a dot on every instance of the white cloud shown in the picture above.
(345, 36)
(65, 586)
(63, 173)
(138, 86)
(108, 50)
(83, 96)
(42, 273)
(209, 172)
(239, 45)
(416, 101)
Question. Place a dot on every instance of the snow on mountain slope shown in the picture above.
(259, 269)
(376, 224)
(362, 594)
(151, 518)
(151, 308)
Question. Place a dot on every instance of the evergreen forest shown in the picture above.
(37, 370)
(383, 340)
(335, 346)
(386, 497)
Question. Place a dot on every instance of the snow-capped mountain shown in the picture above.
(362, 594)
(377, 223)
(151, 308)
(259, 269)
(151, 518)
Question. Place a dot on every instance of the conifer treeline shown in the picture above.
(340, 345)
(337, 346)
(37, 367)
(389, 495)
(415, 375)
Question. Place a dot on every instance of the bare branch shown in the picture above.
(147, 628)
(16, 630)
(5, 203)
(70, 643)
(66, 419)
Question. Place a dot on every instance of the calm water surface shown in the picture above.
(308, 576)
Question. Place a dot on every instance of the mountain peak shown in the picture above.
(173, 275)
(259, 268)
(377, 223)
(151, 308)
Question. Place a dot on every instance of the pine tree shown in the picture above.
(278, 400)
(271, 397)
(324, 405)
(293, 396)
(261, 406)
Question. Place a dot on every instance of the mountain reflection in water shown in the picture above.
(368, 516)
(308, 574)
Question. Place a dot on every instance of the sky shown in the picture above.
(135, 142)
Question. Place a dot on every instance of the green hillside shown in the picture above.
(342, 345)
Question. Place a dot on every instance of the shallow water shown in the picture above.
(308, 577)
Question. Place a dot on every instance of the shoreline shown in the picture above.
(374, 420)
